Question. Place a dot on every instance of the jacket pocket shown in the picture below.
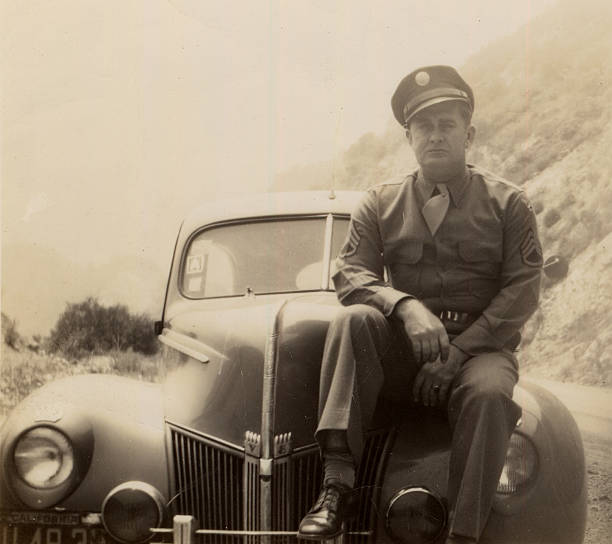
(480, 252)
(404, 270)
(410, 252)
(482, 267)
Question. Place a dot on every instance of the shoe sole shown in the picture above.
(319, 538)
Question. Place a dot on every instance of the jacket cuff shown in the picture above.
(391, 297)
(477, 339)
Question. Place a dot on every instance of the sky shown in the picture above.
(118, 116)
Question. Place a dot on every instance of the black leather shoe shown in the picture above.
(336, 504)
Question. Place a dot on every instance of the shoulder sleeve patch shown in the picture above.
(352, 241)
(531, 252)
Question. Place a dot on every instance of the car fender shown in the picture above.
(122, 417)
(556, 498)
(555, 503)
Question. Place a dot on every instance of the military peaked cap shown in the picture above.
(428, 86)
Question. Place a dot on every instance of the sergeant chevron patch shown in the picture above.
(531, 252)
(352, 241)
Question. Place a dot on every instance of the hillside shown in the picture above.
(543, 117)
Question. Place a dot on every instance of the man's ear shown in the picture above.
(471, 135)
(409, 136)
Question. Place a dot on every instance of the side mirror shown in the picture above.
(158, 327)
(556, 267)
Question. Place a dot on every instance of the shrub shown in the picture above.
(129, 363)
(10, 336)
(88, 327)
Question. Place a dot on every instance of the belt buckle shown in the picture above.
(451, 315)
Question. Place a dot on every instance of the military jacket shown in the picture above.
(485, 259)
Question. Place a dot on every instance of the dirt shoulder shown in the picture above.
(599, 474)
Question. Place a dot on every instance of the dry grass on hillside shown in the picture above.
(21, 372)
(569, 337)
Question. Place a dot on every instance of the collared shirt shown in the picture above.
(485, 259)
(456, 187)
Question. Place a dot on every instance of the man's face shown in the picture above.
(440, 137)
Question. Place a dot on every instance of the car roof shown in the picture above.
(256, 205)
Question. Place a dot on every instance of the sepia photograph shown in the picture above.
(283, 272)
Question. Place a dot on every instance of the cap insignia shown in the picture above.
(422, 79)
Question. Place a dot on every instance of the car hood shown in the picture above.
(242, 343)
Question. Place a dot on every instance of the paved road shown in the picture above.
(590, 406)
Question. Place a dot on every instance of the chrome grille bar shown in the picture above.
(306, 477)
(251, 494)
(369, 479)
(282, 497)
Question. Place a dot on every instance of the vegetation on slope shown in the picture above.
(543, 121)
(87, 338)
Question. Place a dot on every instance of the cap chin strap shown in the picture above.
(429, 98)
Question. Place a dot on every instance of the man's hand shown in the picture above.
(434, 380)
(424, 330)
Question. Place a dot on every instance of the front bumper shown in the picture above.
(75, 528)
(184, 531)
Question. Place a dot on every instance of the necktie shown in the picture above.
(435, 209)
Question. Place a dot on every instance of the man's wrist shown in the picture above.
(401, 307)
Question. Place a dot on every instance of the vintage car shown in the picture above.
(223, 450)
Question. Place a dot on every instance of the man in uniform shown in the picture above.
(463, 258)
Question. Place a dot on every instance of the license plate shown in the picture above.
(48, 534)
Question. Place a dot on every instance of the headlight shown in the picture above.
(43, 458)
(415, 515)
(131, 510)
(520, 465)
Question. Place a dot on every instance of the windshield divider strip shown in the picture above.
(327, 252)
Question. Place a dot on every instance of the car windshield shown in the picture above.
(271, 256)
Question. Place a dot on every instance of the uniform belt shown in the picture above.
(456, 317)
(456, 322)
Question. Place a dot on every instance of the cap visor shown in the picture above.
(433, 102)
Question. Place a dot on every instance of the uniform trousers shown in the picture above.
(367, 356)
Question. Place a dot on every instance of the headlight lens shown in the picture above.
(415, 515)
(520, 465)
(43, 458)
(131, 509)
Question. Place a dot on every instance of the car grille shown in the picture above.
(220, 486)
(209, 483)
